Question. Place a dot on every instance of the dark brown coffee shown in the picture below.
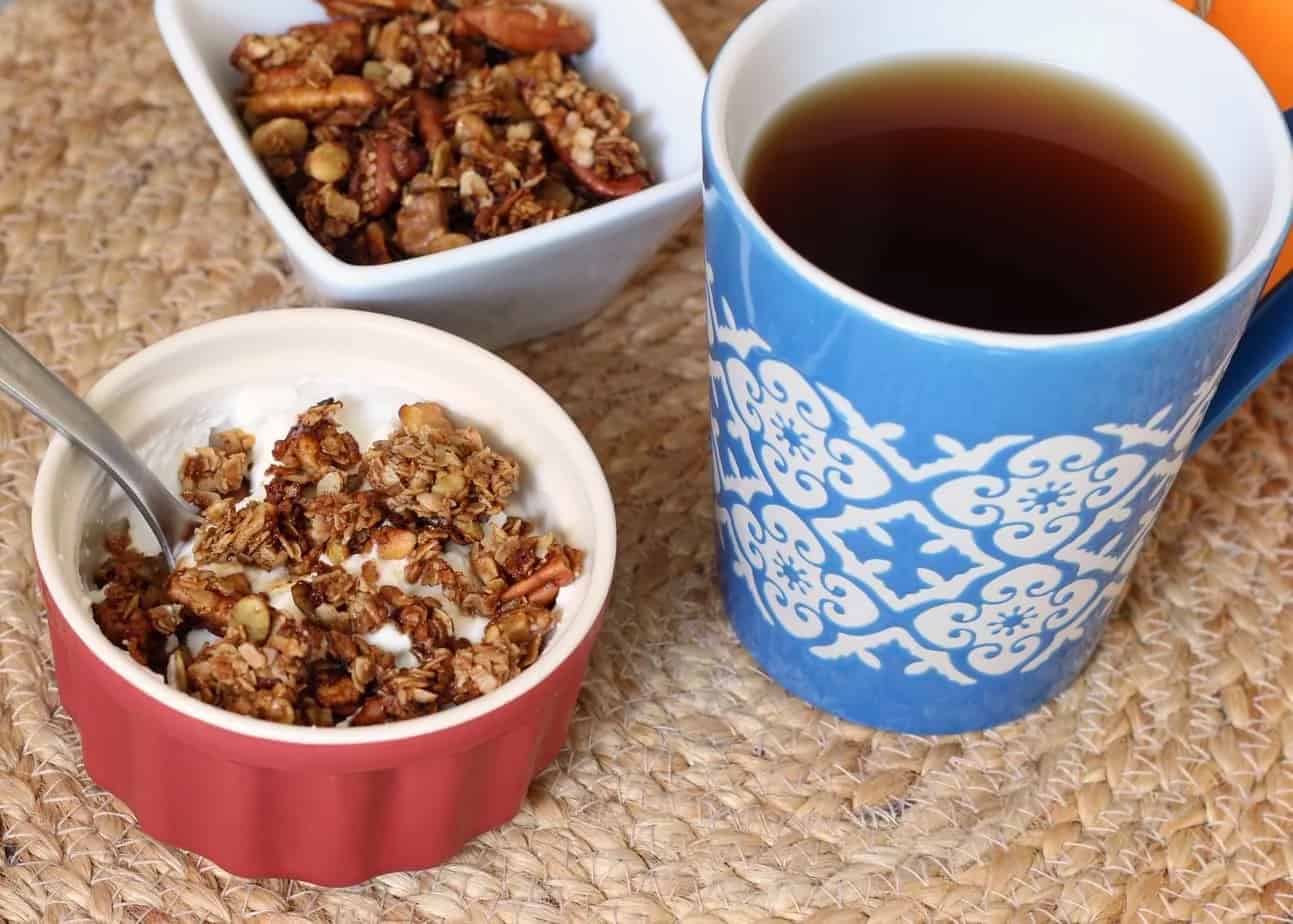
(996, 195)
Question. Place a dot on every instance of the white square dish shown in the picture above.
(527, 284)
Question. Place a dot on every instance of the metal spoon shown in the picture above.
(25, 379)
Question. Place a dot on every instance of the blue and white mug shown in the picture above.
(925, 527)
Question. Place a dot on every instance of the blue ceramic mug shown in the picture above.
(925, 527)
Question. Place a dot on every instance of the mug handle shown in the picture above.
(1266, 343)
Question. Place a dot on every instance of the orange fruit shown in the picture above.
(1263, 31)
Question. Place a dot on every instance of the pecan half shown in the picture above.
(581, 157)
(528, 27)
(345, 100)
(387, 159)
(376, 9)
(555, 572)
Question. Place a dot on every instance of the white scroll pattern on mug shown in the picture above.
(1009, 558)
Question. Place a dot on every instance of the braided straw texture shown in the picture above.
(1160, 787)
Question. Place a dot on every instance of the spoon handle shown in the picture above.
(31, 384)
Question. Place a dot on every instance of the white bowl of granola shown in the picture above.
(499, 289)
(446, 446)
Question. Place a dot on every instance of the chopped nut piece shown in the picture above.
(303, 597)
(217, 472)
(281, 137)
(331, 483)
(386, 159)
(424, 416)
(393, 543)
(481, 669)
(177, 675)
(210, 597)
(371, 246)
(336, 551)
(252, 613)
(328, 163)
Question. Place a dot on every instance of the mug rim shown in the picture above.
(1247, 268)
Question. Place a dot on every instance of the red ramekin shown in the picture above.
(331, 806)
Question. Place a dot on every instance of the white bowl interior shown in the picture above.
(1150, 52)
(638, 54)
(169, 397)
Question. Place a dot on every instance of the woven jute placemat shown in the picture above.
(1160, 787)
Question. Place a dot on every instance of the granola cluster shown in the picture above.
(407, 127)
(290, 586)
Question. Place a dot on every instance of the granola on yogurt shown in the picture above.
(408, 127)
(343, 591)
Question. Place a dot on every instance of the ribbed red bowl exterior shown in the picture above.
(332, 815)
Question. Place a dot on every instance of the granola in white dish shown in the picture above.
(404, 128)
